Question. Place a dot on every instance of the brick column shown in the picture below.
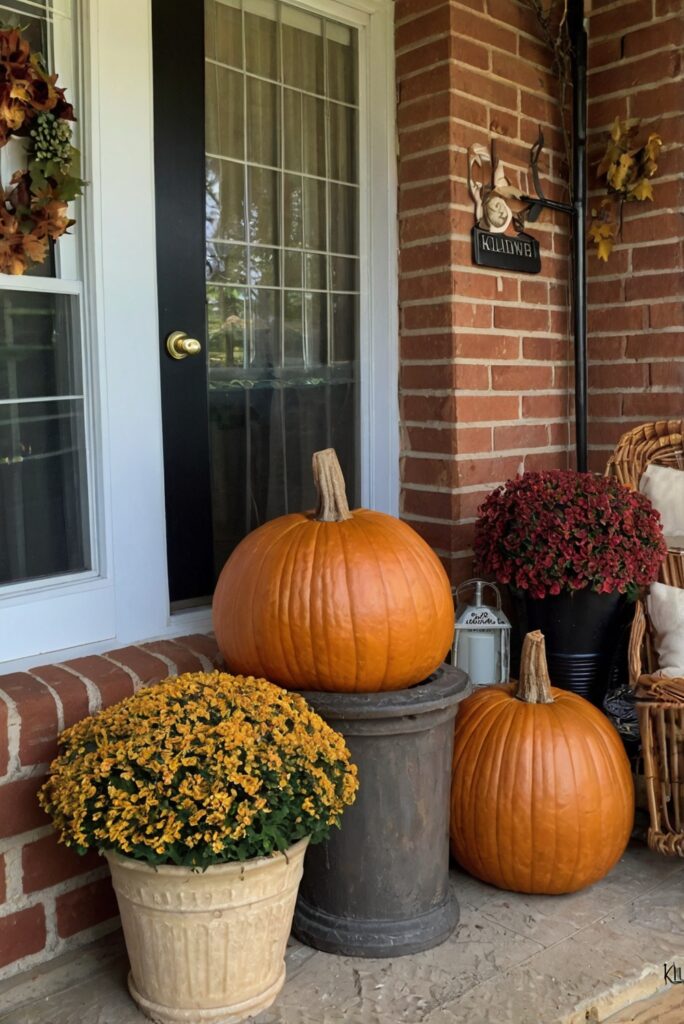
(485, 356)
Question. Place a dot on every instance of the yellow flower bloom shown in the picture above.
(199, 768)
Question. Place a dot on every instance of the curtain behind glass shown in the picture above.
(282, 258)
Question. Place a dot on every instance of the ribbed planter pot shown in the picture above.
(207, 946)
(582, 631)
(379, 886)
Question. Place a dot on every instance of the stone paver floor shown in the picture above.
(513, 960)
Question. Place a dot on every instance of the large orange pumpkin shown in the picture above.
(334, 600)
(542, 798)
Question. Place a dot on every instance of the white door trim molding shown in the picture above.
(380, 374)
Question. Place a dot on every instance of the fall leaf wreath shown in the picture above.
(33, 204)
(626, 168)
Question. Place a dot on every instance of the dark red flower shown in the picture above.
(560, 530)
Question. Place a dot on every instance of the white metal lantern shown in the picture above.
(482, 636)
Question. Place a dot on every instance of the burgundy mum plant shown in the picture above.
(550, 532)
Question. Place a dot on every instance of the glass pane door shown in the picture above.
(282, 257)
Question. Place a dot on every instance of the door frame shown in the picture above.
(121, 242)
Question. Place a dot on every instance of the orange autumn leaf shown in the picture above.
(619, 171)
(642, 190)
(604, 249)
(35, 248)
(611, 155)
(652, 146)
(626, 167)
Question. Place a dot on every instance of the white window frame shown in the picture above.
(41, 614)
(128, 600)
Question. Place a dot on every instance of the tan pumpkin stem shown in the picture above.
(332, 506)
(534, 685)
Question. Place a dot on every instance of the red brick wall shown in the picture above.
(636, 317)
(52, 900)
(485, 358)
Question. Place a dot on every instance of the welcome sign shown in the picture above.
(506, 252)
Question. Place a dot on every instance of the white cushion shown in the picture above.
(666, 612)
(664, 487)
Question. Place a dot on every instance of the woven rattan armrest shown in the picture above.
(643, 664)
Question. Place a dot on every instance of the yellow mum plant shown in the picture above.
(199, 769)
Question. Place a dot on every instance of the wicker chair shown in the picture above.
(660, 701)
(652, 442)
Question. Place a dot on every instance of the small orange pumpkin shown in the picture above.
(334, 600)
(542, 799)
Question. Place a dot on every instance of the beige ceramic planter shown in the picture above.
(207, 946)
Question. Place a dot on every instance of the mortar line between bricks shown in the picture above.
(22, 839)
(94, 695)
(485, 424)
(501, 361)
(452, 268)
(485, 16)
(632, 28)
(456, 330)
(460, 236)
(171, 665)
(206, 663)
(462, 151)
(29, 899)
(473, 300)
(420, 126)
(14, 888)
(462, 300)
(484, 393)
(59, 703)
(407, 19)
(416, 517)
(461, 488)
(454, 64)
(24, 772)
(133, 676)
(627, 62)
(494, 455)
(13, 736)
(653, 389)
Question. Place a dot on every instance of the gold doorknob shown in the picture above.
(178, 345)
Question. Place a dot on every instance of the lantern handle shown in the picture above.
(456, 591)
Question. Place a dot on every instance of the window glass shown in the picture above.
(282, 257)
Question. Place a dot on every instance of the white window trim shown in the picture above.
(43, 614)
(128, 602)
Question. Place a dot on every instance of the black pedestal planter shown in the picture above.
(582, 631)
(380, 885)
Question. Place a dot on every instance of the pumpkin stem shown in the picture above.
(332, 506)
(534, 686)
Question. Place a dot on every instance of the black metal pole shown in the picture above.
(578, 40)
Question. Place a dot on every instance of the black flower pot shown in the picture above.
(582, 630)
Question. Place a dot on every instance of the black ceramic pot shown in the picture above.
(582, 630)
